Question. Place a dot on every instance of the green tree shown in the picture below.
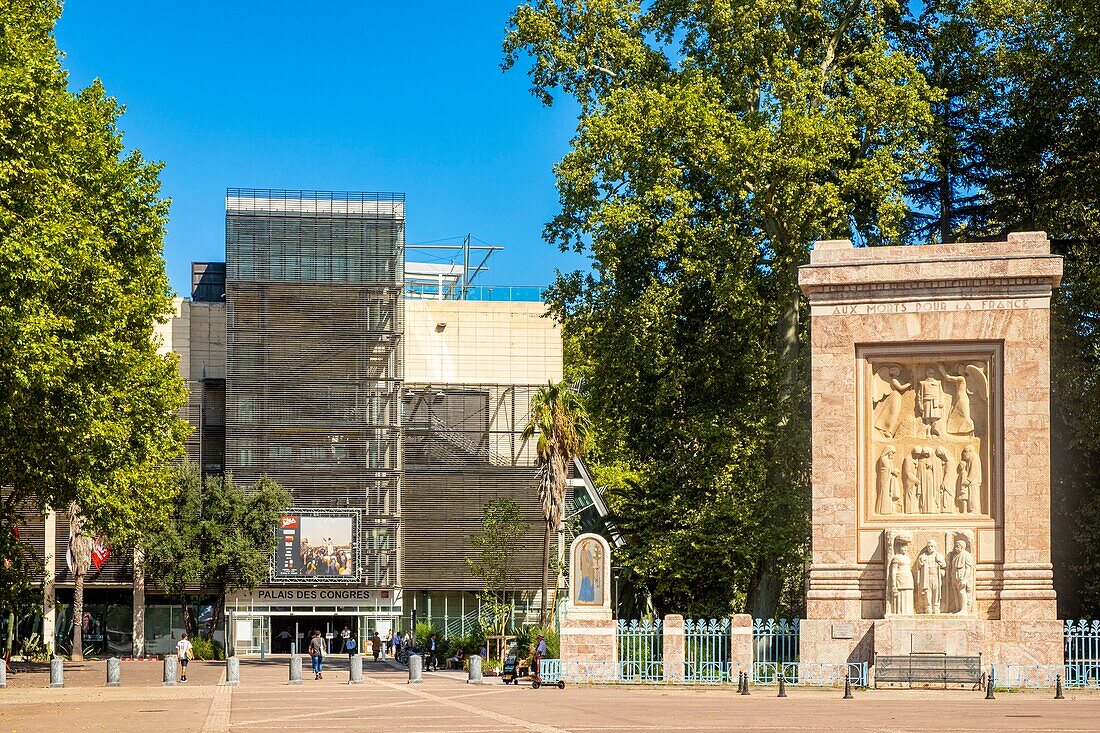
(19, 565)
(502, 527)
(88, 408)
(220, 537)
(561, 425)
(715, 143)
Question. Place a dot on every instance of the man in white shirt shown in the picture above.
(184, 651)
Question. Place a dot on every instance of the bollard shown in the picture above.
(782, 687)
(989, 685)
(475, 670)
(416, 667)
(57, 672)
(355, 669)
(740, 683)
(1058, 688)
(3, 673)
(295, 669)
(745, 689)
(263, 652)
(170, 661)
(233, 671)
(114, 672)
(847, 687)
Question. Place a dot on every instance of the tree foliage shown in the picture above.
(88, 408)
(502, 527)
(715, 143)
(220, 537)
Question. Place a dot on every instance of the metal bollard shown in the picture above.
(990, 683)
(170, 666)
(263, 652)
(1058, 688)
(475, 677)
(114, 672)
(847, 687)
(355, 669)
(232, 671)
(57, 672)
(782, 687)
(740, 682)
(295, 669)
(416, 668)
(745, 689)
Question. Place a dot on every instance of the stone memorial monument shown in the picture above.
(931, 451)
(587, 630)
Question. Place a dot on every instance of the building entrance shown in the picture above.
(298, 629)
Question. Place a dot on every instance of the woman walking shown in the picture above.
(317, 653)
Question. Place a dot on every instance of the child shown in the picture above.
(184, 651)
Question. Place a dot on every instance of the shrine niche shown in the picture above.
(928, 433)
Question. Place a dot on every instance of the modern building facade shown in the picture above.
(392, 414)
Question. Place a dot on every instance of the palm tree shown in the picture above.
(559, 419)
(80, 547)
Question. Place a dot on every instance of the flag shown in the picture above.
(100, 552)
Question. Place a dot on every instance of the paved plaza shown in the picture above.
(444, 702)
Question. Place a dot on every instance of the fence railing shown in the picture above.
(707, 651)
(810, 674)
(774, 642)
(641, 651)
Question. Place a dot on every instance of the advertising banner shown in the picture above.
(317, 546)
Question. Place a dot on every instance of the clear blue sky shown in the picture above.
(344, 95)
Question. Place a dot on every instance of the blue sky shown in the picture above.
(344, 95)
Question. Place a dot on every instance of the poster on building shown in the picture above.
(317, 546)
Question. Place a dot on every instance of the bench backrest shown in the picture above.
(928, 668)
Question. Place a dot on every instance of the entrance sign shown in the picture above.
(317, 546)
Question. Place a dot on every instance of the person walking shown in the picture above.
(317, 653)
(536, 663)
(376, 645)
(433, 646)
(351, 646)
(395, 645)
(344, 636)
(184, 651)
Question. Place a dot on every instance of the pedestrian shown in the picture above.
(376, 645)
(350, 646)
(344, 636)
(433, 645)
(184, 651)
(540, 652)
(395, 645)
(317, 653)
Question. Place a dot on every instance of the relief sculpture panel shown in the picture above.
(928, 434)
(929, 571)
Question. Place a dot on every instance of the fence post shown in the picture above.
(741, 645)
(672, 645)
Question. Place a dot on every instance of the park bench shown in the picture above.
(929, 669)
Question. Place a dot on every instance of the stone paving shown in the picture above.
(265, 703)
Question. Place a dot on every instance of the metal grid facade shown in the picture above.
(463, 448)
(314, 360)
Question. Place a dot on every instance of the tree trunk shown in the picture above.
(764, 590)
(216, 615)
(11, 636)
(545, 572)
(77, 654)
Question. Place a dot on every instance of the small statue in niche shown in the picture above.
(947, 483)
(899, 579)
(959, 420)
(928, 488)
(930, 403)
(969, 469)
(887, 483)
(961, 577)
(886, 392)
(930, 570)
(909, 477)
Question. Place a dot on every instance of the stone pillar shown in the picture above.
(295, 669)
(233, 671)
(741, 649)
(139, 603)
(475, 670)
(57, 672)
(416, 669)
(114, 672)
(49, 589)
(355, 669)
(171, 664)
(673, 647)
(3, 673)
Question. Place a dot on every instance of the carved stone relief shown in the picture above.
(929, 571)
(928, 435)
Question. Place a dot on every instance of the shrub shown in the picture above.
(206, 649)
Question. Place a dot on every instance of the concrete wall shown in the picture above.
(477, 342)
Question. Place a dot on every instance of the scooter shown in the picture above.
(536, 680)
